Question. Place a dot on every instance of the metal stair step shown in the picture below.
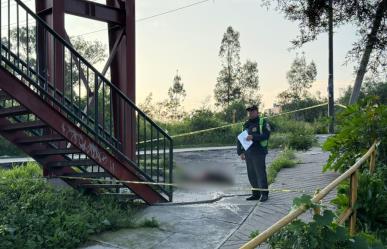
(102, 185)
(55, 152)
(13, 111)
(70, 163)
(40, 139)
(4, 96)
(90, 174)
(121, 195)
(24, 126)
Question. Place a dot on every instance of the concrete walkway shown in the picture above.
(226, 223)
(305, 176)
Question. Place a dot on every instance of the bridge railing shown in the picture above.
(53, 69)
(349, 213)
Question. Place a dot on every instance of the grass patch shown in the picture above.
(286, 159)
(34, 214)
(151, 223)
(254, 234)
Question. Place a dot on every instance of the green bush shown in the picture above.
(320, 126)
(285, 159)
(203, 119)
(321, 233)
(8, 149)
(285, 133)
(371, 202)
(224, 136)
(35, 215)
(239, 107)
(310, 115)
(360, 125)
(301, 140)
(278, 140)
(296, 141)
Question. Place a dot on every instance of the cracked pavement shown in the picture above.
(197, 225)
(226, 223)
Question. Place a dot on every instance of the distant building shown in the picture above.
(274, 110)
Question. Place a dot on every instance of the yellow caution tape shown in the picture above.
(230, 125)
(175, 185)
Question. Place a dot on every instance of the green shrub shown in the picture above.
(203, 119)
(239, 107)
(8, 149)
(285, 159)
(35, 215)
(301, 141)
(224, 136)
(254, 234)
(320, 126)
(278, 140)
(287, 125)
(297, 135)
(321, 233)
(371, 202)
(296, 141)
(27, 170)
(359, 126)
(310, 115)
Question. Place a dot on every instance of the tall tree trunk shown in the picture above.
(371, 40)
(229, 77)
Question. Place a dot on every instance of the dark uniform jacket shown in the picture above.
(252, 127)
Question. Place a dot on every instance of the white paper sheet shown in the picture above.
(243, 139)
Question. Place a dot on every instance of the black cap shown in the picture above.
(252, 108)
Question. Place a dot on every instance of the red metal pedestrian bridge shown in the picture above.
(58, 109)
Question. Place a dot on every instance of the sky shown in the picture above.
(188, 41)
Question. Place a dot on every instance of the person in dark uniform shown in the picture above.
(258, 131)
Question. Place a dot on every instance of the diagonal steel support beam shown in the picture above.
(105, 68)
(81, 74)
(96, 11)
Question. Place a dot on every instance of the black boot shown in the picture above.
(264, 198)
(254, 197)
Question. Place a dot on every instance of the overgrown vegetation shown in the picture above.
(321, 233)
(35, 215)
(289, 133)
(254, 234)
(8, 149)
(360, 125)
(286, 159)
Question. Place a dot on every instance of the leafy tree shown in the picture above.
(93, 51)
(359, 126)
(176, 95)
(249, 81)
(147, 106)
(368, 17)
(203, 119)
(301, 76)
(239, 107)
(227, 88)
(370, 88)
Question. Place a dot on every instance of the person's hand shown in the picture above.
(243, 157)
(249, 137)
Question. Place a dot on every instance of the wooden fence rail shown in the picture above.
(349, 213)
